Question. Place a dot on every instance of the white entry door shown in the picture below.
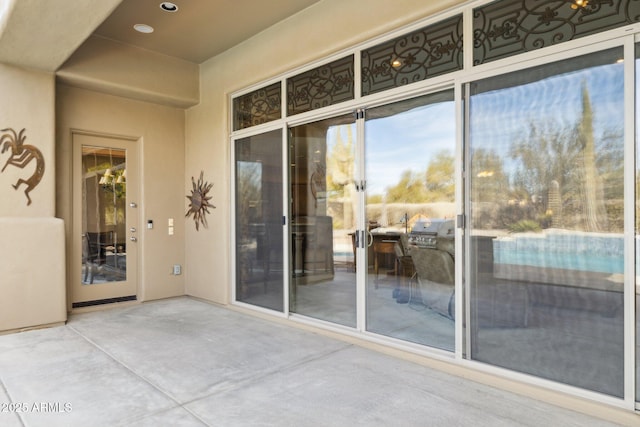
(105, 219)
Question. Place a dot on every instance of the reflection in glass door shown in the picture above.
(410, 210)
(546, 221)
(259, 224)
(104, 189)
(105, 232)
(323, 220)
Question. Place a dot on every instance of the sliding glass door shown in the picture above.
(546, 149)
(370, 231)
(323, 220)
(410, 209)
(259, 222)
(353, 219)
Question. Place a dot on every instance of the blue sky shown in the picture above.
(409, 140)
(501, 117)
(404, 141)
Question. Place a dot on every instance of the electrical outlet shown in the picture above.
(177, 269)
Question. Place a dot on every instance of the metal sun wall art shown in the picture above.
(199, 202)
(21, 156)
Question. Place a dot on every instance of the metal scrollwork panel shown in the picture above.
(257, 107)
(508, 27)
(425, 53)
(326, 85)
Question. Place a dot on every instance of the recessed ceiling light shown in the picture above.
(167, 6)
(143, 28)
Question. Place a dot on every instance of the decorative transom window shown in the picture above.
(501, 29)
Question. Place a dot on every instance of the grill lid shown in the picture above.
(426, 231)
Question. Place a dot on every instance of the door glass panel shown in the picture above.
(259, 228)
(104, 195)
(410, 208)
(546, 221)
(323, 220)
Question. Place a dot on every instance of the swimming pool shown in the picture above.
(562, 257)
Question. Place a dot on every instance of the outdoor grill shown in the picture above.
(425, 232)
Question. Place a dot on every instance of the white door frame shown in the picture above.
(83, 295)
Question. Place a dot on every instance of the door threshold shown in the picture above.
(78, 307)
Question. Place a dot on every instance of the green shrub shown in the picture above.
(524, 225)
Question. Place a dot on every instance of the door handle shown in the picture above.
(133, 238)
(132, 229)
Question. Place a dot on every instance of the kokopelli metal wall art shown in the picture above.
(21, 156)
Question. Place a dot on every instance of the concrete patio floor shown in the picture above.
(183, 362)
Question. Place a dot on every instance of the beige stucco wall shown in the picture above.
(31, 239)
(160, 133)
(33, 274)
(320, 30)
(28, 103)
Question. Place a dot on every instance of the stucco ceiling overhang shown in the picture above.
(200, 29)
(43, 34)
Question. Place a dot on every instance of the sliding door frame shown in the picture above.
(566, 51)
(259, 130)
(459, 81)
